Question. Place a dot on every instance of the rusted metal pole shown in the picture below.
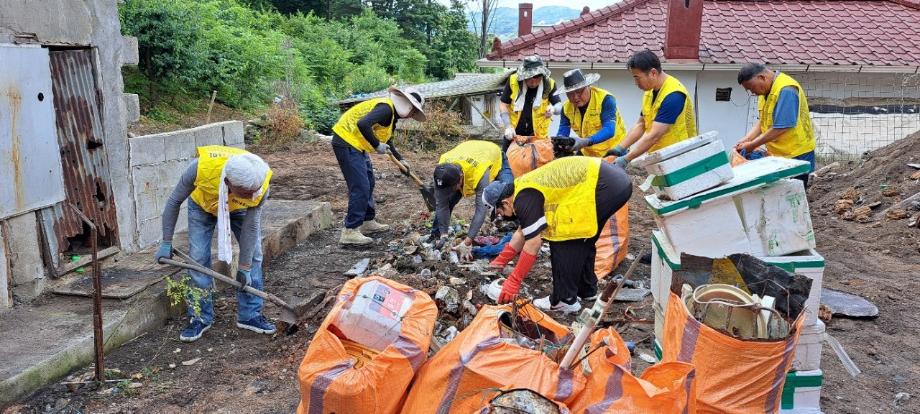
(99, 347)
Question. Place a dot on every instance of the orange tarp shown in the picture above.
(613, 243)
(528, 157)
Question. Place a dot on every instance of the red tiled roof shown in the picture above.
(824, 32)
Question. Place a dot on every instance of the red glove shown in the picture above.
(512, 284)
(504, 257)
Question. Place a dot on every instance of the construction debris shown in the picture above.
(448, 300)
(845, 304)
(359, 268)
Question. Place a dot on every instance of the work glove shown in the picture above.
(163, 252)
(504, 257)
(509, 133)
(580, 143)
(618, 151)
(244, 276)
(622, 162)
(464, 251)
(549, 112)
(512, 284)
(383, 148)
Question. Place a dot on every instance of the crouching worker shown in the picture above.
(364, 128)
(464, 171)
(565, 202)
(228, 187)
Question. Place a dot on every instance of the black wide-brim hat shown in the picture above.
(575, 79)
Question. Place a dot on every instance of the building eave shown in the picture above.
(714, 67)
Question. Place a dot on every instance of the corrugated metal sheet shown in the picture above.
(78, 106)
(461, 85)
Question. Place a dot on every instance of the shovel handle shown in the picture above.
(404, 170)
(192, 265)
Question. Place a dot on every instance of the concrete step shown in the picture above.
(46, 340)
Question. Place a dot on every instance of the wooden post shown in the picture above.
(211, 106)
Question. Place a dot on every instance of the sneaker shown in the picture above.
(354, 236)
(543, 304)
(258, 325)
(372, 226)
(589, 298)
(193, 331)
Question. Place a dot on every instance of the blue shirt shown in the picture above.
(786, 112)
(608, 122)
(670, 108)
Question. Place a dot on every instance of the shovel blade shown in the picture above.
(428, 195)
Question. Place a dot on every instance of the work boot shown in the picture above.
(354, 236)
(372, 226)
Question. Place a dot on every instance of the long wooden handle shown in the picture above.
(402, 169)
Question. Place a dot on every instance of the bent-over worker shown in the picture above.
(667, 111)
(566, 202)
(520, 116)
(464, 171)
(227, 187)
(784, 125)
(364, 128)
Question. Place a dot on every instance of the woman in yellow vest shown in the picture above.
(364, 128)
(227, 187)
(667, 111)
(528, 102)
(566, 202)
(461, 172)
(785, 124)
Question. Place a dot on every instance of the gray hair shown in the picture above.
(246, 171)
(750, 70)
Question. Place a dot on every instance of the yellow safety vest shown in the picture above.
(211, 160)
(685, 125)
(797, 140)
(540, 122)
(591, 123)
(474, 157)
(568, 186)
(347, 126)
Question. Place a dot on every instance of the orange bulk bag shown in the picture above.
(345, 376)
(524, 158)
(613, 243)
(485, 357)
(611, 388)
(522, 400)
(732, 375)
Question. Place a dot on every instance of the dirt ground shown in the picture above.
(235, 371)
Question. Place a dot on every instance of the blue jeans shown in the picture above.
(359, 177)
(810, 157)
(201, 226)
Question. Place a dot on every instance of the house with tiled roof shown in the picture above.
(859, 60)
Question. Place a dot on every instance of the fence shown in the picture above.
(854, 113)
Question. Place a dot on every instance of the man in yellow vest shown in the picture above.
(566, 202)
(465, 171)
(784, 125)
(364, 128)
(667, 111)
(528, 102)
(227, 187)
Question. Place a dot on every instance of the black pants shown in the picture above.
(573, 260)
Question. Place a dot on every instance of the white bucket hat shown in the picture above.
(406, 99)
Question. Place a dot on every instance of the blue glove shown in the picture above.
(163, 252)
(622, 162)
(244, 276)
(618, 151)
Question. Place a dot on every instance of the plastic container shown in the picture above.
(802, 392)
(692, 172)
(374, 317)
(808, 349)
(776, 218)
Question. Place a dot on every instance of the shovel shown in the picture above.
(290, 315)
(426, 190)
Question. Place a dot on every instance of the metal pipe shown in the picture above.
(98, 344)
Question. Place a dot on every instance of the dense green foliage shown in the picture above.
(251, 51)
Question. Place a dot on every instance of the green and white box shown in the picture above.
(689, 169)
(711, 223)
(776, 218)
(808, 263)
(802, 392)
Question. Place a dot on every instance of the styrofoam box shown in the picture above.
(675, 149)
(808, 349)
(684, 178)
(374, 316)
(776, 218)
(802, 392)
(709, 223)
(808, 263)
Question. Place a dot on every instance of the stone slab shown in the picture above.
(845, 304)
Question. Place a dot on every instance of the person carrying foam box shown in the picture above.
(667, 112)
(785, 121)
(567, 202)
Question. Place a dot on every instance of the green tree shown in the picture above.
(455, 46)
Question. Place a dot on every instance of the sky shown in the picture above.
(575, 4)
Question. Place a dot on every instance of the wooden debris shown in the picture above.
(891, 192)
(897, 214)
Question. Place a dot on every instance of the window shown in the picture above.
(723, 94)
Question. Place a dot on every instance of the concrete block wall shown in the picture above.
(6, 298)
(26, 270)
(157, 161)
